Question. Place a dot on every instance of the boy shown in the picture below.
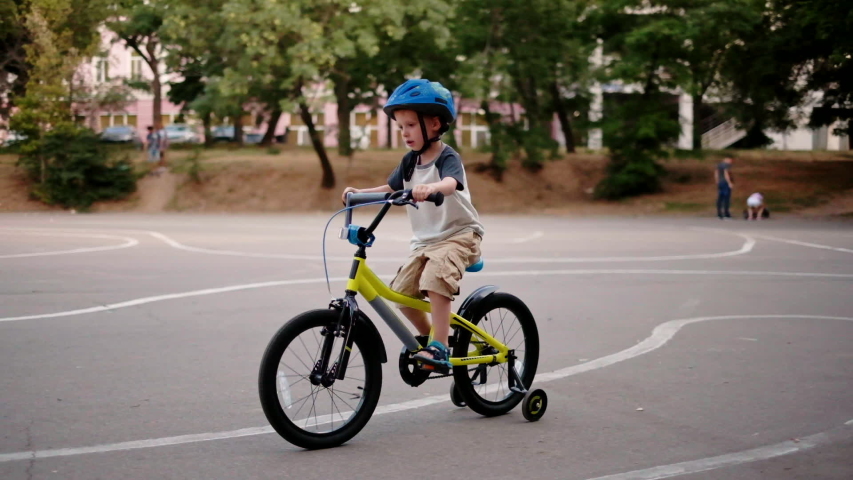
(447, 238)
(152, 144)
(755, 206)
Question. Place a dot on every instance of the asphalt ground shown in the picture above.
(688, 348)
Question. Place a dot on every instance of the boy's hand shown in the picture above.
(421, 192)
(346, 191)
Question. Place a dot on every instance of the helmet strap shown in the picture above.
(410, 169)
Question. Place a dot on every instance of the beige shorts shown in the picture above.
(438, 267)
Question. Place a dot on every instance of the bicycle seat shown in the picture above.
(475, 267)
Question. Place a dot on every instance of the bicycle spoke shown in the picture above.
(342, 400)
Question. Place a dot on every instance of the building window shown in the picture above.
(135, 67)
(102, 69)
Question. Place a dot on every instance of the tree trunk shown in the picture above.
(563, 115)
(238, 127)
(273, 123)
(341, 82)
(328, 175)
(156, 87)
(388, 132)
(697, 122)
(208, 137)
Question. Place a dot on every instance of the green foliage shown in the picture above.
(531, 53)
(71, 168)
(636, 133)
(73, 25)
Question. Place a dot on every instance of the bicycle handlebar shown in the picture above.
(355, 199)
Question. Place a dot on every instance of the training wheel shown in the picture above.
(535, 403)
(455, 397)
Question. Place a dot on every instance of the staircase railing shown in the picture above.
(722, 135)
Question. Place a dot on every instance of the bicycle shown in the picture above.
(331, 359)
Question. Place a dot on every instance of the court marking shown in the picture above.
(732, 459)
(803, 244)
(661, 334)
(748, 245)
(279, 283)
(128, 242)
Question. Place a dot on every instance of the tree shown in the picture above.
(137, 24)
(821, 32)
(76, 22)
(67, 164)
(534, 53)
(645, 53)
(709, 32)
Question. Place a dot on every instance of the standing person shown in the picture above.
(723, 177)
(447, 238)
(164, 144)
(152, 146)
(755, 206)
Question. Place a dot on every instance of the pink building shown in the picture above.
(368, 128)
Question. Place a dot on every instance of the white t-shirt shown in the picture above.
(755, 200)
(431, 224)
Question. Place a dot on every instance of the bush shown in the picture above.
(71, 168)
(636, 135)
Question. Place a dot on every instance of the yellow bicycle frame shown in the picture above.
(370, 287)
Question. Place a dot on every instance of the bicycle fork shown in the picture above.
(322, 374)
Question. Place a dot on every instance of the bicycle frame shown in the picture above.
(362, 280)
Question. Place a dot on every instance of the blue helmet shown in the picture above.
(423, 96)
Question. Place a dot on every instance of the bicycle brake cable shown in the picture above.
(325, 230)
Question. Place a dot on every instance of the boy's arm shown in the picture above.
(447, 186)
(379, 189)
(728, 178)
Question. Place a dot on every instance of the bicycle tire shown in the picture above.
(479, 397)
(274, 386)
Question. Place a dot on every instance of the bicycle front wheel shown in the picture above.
(314, 416)
(485, 388)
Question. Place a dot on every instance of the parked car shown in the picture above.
(182, 133)
(121, 134)
(12, 138)
(225, 133)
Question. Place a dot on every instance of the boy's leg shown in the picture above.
(440, 317)
(440, 320)
(418, 318)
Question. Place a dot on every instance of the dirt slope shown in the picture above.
(257, 180)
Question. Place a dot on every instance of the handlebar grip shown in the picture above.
(437, 198)
(362, 198)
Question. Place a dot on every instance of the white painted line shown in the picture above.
(170, 296)
(532, 236)
(523, 273)
(128, 242)
(747, 247)
(804, 244)
(659, 337)
(113, 447)
(732, 459)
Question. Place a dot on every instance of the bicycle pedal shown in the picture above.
(435, 369)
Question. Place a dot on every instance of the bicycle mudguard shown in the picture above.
(365, 324)
(469, 307)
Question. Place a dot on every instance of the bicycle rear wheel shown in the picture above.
(314, 416)
(485, 388)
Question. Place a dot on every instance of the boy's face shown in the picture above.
(408, 122)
